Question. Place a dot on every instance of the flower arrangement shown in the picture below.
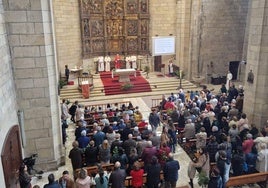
(203, 180)
(126, 86)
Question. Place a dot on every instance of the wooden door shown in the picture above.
(157, 63)
(11, 156)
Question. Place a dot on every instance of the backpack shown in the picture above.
(72, 109)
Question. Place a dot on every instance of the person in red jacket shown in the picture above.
(248, 144)
(137, 175)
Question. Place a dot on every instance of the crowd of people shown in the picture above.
(226, 143)
(121, 135)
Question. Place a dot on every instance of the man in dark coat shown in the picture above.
(129, 144)
(117, 177)
(76, 156)
(153, 173)
(91, 154)
(72, 110)
(51, 182)
(67, 73)
(171, 174)
(154, 119)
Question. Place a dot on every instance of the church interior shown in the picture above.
(122, 51)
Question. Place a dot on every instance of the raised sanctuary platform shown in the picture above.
(112, 85)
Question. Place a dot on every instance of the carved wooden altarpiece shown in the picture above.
(114, 27)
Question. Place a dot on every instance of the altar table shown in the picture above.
(76, 72)
(124, 74)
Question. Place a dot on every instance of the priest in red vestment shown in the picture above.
(117, 61)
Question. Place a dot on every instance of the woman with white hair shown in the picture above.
(83, 140)
(262, 159)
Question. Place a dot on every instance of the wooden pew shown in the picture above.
(103, 106)
(93, 170)
(248, 179)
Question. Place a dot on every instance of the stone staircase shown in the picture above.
(159, 86)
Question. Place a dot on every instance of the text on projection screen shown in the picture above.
(164, 45)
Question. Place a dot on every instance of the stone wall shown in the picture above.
(68, 34)
(256, 98)
(218, 35)
(163, 23)
(8, 115)
(35, 73)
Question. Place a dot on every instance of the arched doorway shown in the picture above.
(11, 156)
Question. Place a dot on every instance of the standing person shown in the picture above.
(79, 114)
(170, 170)
(24, 178)
(65, 181)
(83, 180)
(202, 163)
(72, 111)
(148, 153)
(76, 156)
(117, 177)
(162, 154)
(51, 182)
(229, 77)
(238, 161)
(104, 152)
(91, 154)
(262, 159)
(165, 138)
(222, 165)
(153, 173)
(154, 119)
(137, 175)
(67, 73)
(101, 180)
(83, 140)
(215, 180)
(117, 61)
(170, 68)
(64, 111)
(99, 136)
(107, 60)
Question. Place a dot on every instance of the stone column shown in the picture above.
(256, 98)
(30, 38)
(183, 22)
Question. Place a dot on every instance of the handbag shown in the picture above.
(198, 169)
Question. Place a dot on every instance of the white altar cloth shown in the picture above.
(124, 74)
